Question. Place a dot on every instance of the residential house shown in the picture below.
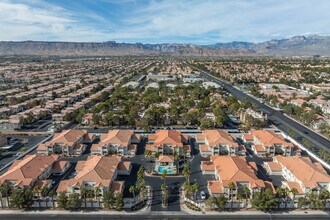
(218, 142)
(168, 142)
(87, 119)
(267, 142)
(97, 172)
(233, 169)
(121, 142)
(30, 171)
(300, 173)
(68, 143)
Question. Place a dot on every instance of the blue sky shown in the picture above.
(156, 21)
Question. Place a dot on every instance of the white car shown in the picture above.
(203, 195)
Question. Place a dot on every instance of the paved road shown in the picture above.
(156, 215)
(173, 183)
(275, 117)
(196, 171)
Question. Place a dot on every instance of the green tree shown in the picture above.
(246, 192)
(108, 199)
(22, 198)
(324, 195)
(164, 194)
(36, 191)
(206, 123)
(264, 200)
(62, 200)
(52, 195)
(119, 201)
(132, 190)
(148, 154)
(5, 191)
(186, 172)
(163, 176)
(303, 201)
(84, 194)
(74, 201)
(232, 187)
(97, 195)
(195, 188)
(220, 202)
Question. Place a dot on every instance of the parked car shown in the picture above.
(18, 154)
(203, 195)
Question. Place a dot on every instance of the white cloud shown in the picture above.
(195, 21)
(20, 21)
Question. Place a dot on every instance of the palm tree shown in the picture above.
(132, 190)
(286, 195)
(164, 194)
(91, 196)
(186, 172)
(5, 190)
(44, 192)
(36, 190)
(177, 159)
(195, 188)
(148, 155)
(97, 194)
(239, 198)
(231, 188)
(163, 176)
(294, 192)
(280, 193)
(52, 194)
(246, 192)
(184, 152)
(83, 193)
(324, 194)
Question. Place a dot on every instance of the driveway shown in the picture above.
(173, 183)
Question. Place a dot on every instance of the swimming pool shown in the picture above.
(162, 168)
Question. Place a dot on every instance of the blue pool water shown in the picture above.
(161, 169)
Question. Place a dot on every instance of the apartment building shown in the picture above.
(120, 142)
(300, 173)
(233, 169)
(219, 142)
(97, 172)
(168, 142)
(33, 170)
(264, 143)
(69, 143)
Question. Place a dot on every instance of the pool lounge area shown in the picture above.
(162, 168)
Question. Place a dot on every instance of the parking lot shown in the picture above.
(11, 154)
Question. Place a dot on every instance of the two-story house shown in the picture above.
(69, 143)
(234, 170)
(169, 143)
(267, 142)
(300, 173)
(97, 172)
(121, 142)
(218, 142)
(32, 170)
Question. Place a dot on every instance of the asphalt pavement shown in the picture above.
(275, 117)
(158, 215)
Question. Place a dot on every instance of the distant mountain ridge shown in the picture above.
(298, 45)
(294, 46)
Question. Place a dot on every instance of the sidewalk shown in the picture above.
(254, 212)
